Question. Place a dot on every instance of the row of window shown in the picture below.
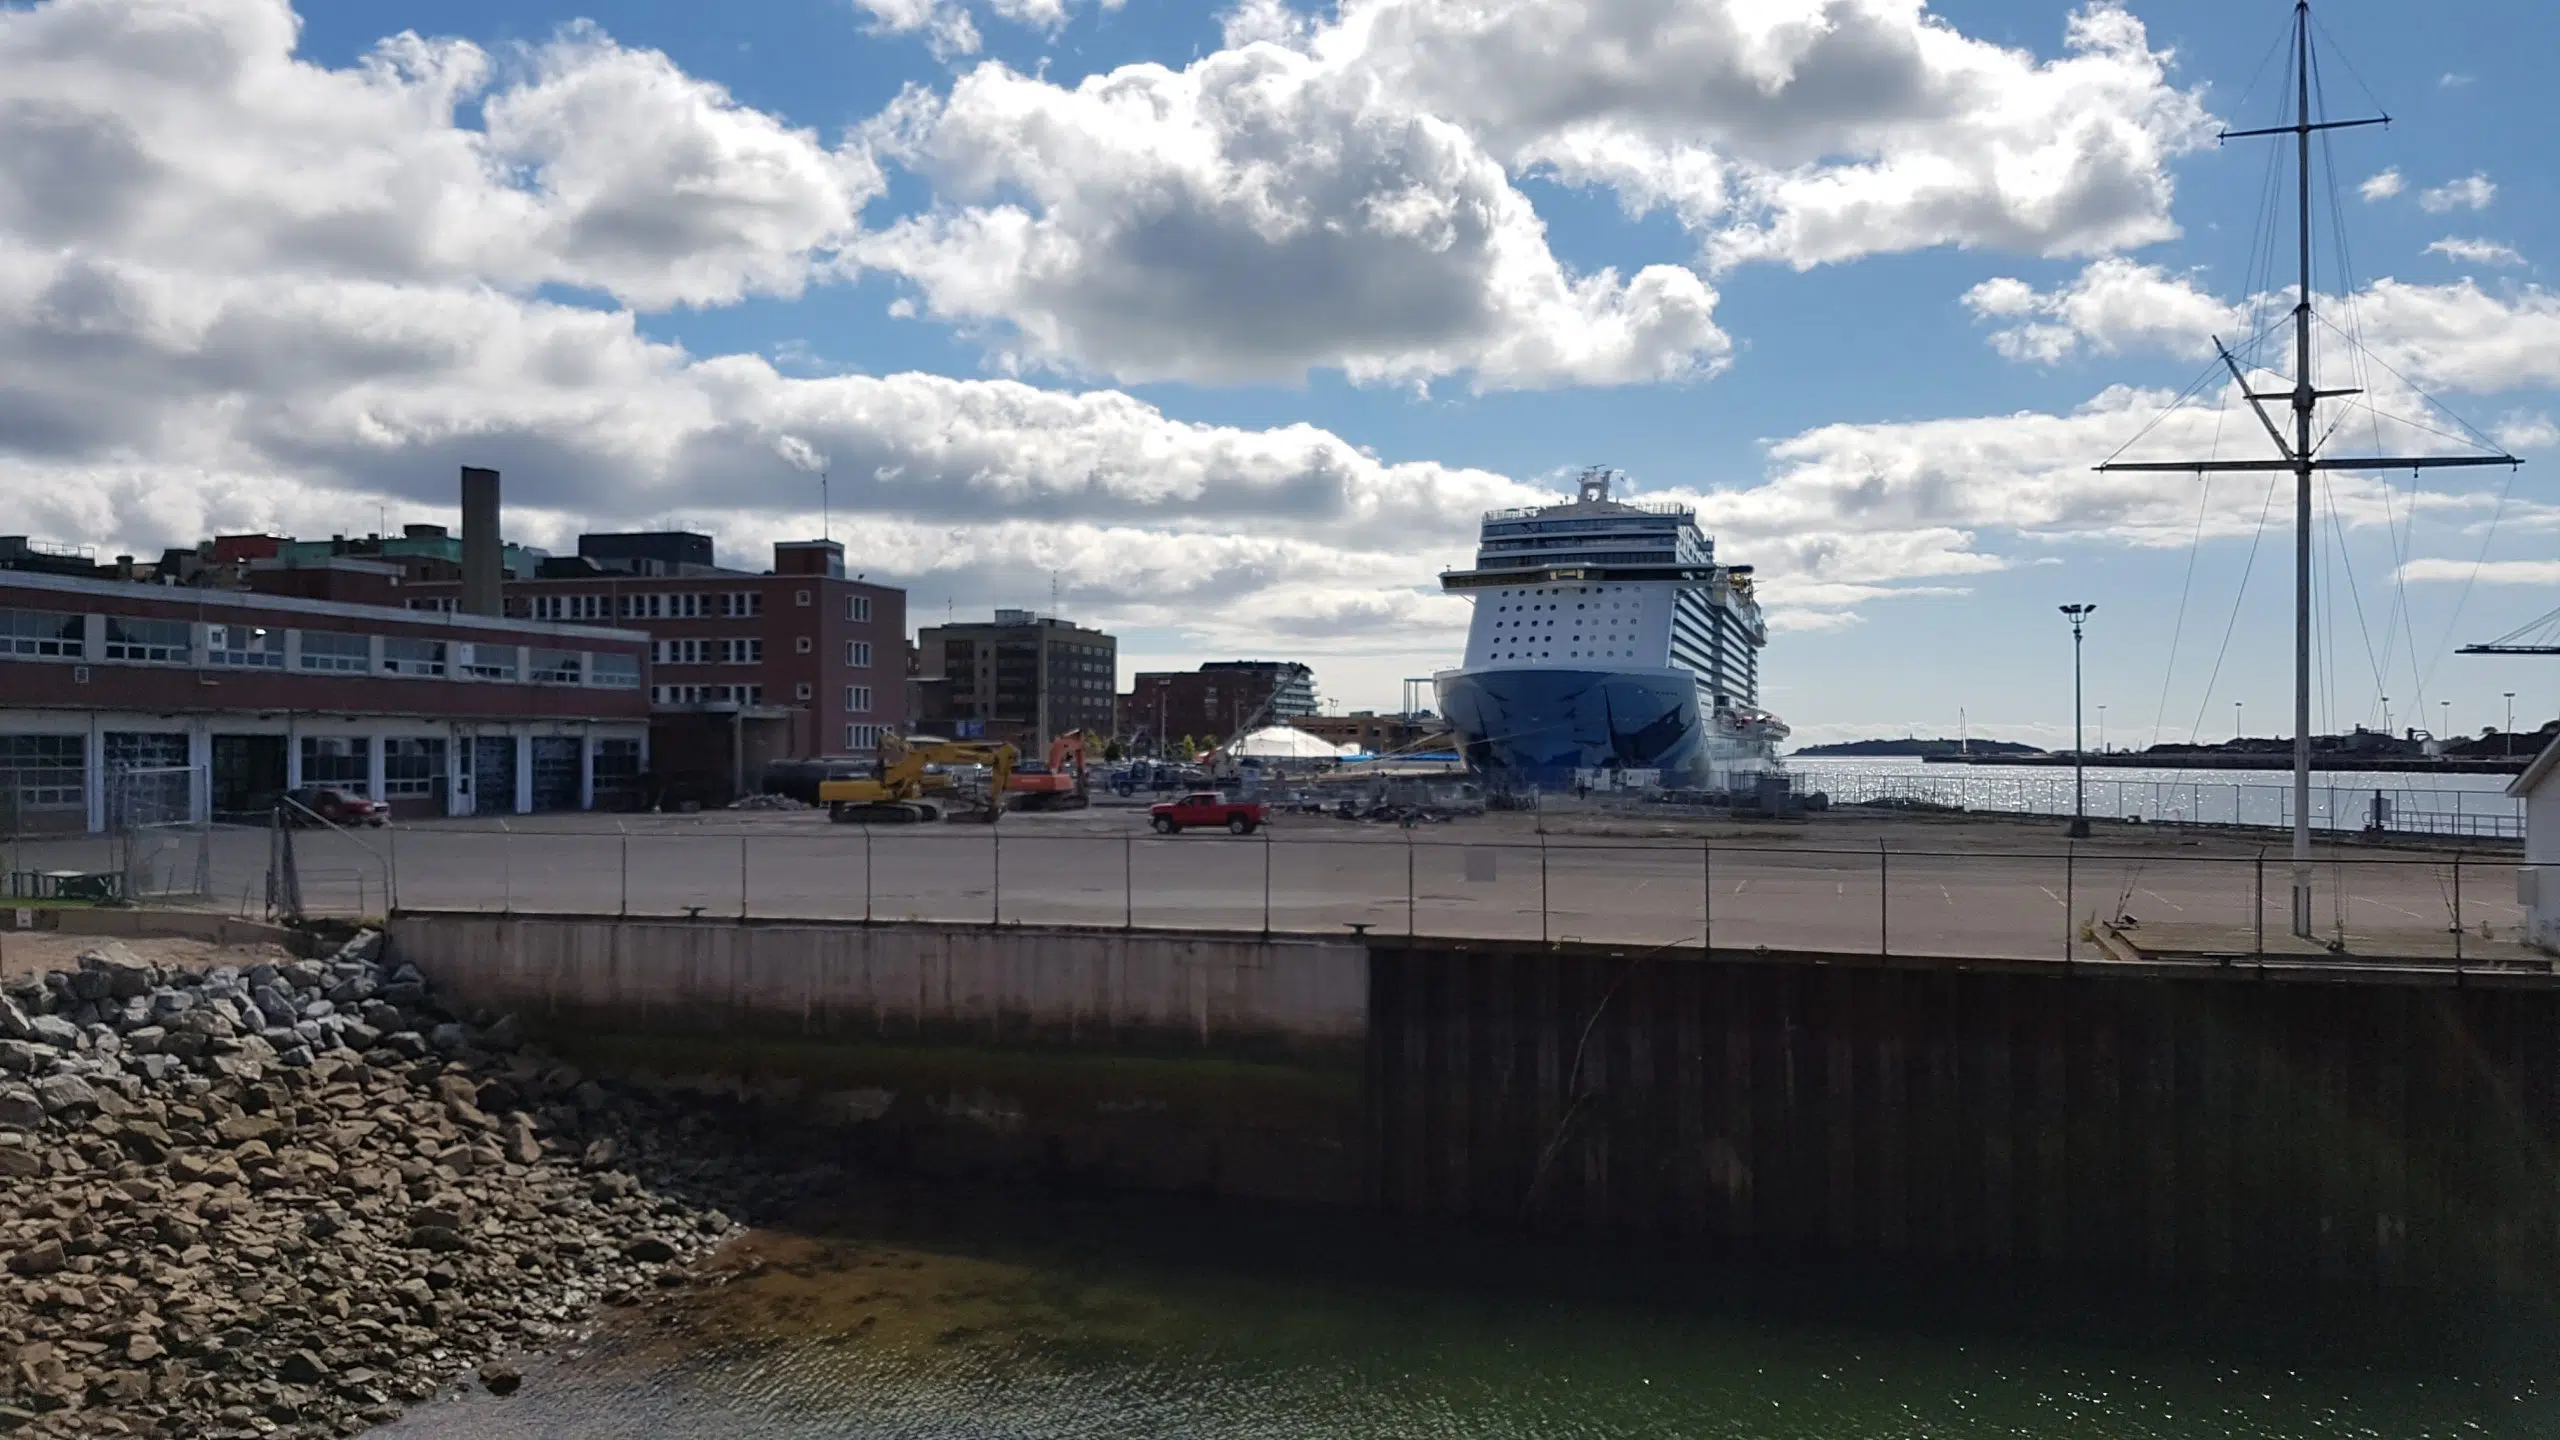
(706, 694)
(52, 635)
(657, 605)
(50, 772)
(737, 650)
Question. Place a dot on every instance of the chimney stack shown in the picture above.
(482, 561)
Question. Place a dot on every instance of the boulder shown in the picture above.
(19, 1108)
(127, 974)
(45, 1257)
(19, 1057)
(66, 1094)
(501, 1378)
(55, 1031)
(14, 1019)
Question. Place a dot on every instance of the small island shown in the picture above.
(1914, 748)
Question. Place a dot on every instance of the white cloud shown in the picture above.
(2485, 572)
(1254, 217)
(2443, 337)
(2452, 80)
(2475, 252)
(191, 132)
(945, 24)
(2113, 306)
(1802, 133)
(2382, 186)
(2471, 192)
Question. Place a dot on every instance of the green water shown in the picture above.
(937, 1316)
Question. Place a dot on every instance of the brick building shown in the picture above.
(1215, 701)
(744, 667)
(1020, 678)
(223, 699)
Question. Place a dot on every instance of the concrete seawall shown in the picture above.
(1172, 1060)
(2286, 1127)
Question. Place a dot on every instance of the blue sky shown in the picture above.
(1232, 351)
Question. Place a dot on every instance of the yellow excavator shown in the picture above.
(895, 791)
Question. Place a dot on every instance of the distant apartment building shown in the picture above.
(123, 702)
(1020, 678)
(744, 667)
(1217, 700)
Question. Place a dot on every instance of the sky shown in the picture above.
(1221, 328)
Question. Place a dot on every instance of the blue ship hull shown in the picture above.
(1538, 726)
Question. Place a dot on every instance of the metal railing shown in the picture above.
(1993, 904)
(2335, 808)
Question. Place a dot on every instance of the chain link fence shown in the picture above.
(2388, 807)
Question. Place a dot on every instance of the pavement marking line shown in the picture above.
(2165, 900)
(1741, 885)
(2048, 894)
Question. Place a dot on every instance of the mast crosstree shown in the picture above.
(2300, 455)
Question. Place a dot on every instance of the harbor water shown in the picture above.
(2414, 801)
(933, 1315)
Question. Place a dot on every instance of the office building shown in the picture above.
(1020, 678)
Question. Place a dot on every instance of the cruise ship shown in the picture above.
(1609, 649)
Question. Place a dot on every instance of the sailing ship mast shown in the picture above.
(2301, 456)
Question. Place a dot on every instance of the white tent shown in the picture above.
(1282, 742)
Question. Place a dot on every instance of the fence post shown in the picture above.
(866, 874)
(1707, 896)
(1542, 887)
(2457, 906)
(1128, 882)
(995, 888)
(1884, 901)
(626, 867)
(2258, 912)
(506, 870)
(742, 877)
(1266, 882)
(1409, 926)
(390, 868)
(2070, 900)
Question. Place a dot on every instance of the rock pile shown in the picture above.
(290, 1199)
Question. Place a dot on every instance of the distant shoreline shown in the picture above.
(2213, 760)
(1911, 749)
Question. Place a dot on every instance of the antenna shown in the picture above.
(826, 512)
(2301, 456)
(1053, 592)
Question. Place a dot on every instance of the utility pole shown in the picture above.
(2078, 615)
(2300, 456)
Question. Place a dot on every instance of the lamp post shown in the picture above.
(2386, 716)
(2078, 615)
(2445, 734)
(2237, 730)
(2102, 729)
(2511, 722)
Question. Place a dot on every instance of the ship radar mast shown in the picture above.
(1595, 484)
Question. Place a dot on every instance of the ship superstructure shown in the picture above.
(1608, 640)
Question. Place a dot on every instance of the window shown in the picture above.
(691, 605)
(43, 634)
(404, 656)
(440, 603)
(857, 653)
(749, 651)
(337, 761)
(857, 699)
(682, 652)
(800, 645)
(44, 772)
(863, 737)
(857, 607)
(741, 604)
(412, 768)
(800, 691)
(572, 607)
(614, 670)
(252, 646)
(555, 667)
(706, 694)
(332, 650)
(643, 607)
(160, 642)
(483, 661)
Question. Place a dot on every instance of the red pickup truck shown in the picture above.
(1205, 808)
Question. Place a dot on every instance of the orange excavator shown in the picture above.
(1058, 785)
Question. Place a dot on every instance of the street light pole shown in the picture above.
(2445, 735)
(2078, 615)
(2102, 729)
(2511, 722)
(2237, 729)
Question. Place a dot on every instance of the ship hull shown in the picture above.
(1539, 726)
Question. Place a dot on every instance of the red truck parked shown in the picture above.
(1205, 808)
